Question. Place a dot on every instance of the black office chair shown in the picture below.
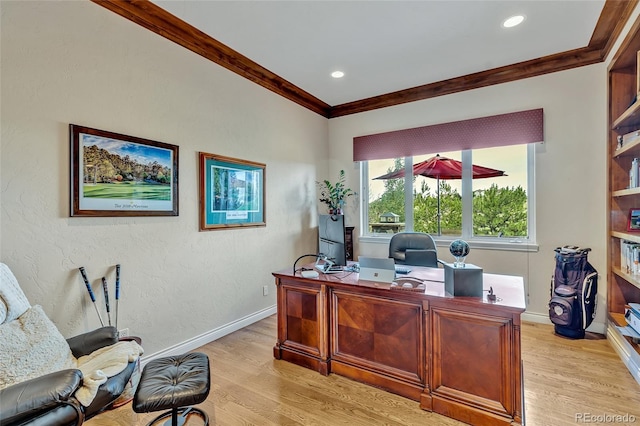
(413, 248)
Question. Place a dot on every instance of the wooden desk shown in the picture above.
(459, 357)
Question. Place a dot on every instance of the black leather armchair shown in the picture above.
(413, 248)
(49, 400)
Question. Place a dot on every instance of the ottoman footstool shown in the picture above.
(174, 383)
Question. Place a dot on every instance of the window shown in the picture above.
(487, 203)
(490, 206)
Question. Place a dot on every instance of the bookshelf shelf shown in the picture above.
(629, 118)
(632, 279)
(626, 192)
(630, 148)
(626, 236)
(616, 319)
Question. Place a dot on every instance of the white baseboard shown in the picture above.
(533, 317)
(595, 327)
(210, 336)
(628, 355)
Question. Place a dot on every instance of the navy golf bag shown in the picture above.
(574, 286)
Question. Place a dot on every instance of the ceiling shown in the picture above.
(385, 46)
(390, 51)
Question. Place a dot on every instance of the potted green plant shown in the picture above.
(334, 194)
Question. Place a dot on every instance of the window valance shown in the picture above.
(485, 132)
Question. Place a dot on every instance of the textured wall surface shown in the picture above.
(76, 62)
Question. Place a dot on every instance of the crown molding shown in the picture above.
(545, 65)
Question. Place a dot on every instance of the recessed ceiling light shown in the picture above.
(337, 74)
(513, 21)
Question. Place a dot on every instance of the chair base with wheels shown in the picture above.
(178, 416)
(174, 383)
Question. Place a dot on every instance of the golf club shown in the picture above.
(93, 297)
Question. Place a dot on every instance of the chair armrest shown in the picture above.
(29, 398)
(86, 343)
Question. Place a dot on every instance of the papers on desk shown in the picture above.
(628, 331)
(434, 289)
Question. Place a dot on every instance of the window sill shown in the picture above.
(514, 244)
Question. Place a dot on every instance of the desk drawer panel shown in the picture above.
(378, 334)
(474, 360)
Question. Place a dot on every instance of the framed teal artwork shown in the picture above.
(232, 192)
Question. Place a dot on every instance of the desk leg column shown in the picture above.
(322, 306)
(281, 318)
(426, 400)
(518, 414)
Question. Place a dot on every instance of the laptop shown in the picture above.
(377, 269)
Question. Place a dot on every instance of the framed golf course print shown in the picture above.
(119, 175)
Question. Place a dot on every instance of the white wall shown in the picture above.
(76, 62)
(570, 168)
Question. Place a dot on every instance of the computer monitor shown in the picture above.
(331, 239)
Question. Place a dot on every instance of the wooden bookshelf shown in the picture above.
(624, 117)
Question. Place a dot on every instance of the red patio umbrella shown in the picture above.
(443, 168)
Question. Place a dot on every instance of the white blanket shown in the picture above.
(13, 302)
(102, 364)
(32, 346)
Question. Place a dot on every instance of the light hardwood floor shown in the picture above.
(563, 379)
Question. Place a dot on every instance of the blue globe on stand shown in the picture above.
(459, 249)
